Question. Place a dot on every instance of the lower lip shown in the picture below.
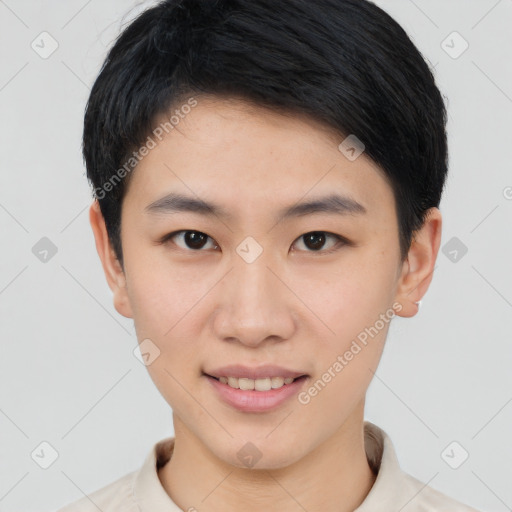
(256, 401)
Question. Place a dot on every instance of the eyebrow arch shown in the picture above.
(332, 204)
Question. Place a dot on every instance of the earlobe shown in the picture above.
(417, 270)
(113, 272)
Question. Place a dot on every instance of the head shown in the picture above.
(243, 112)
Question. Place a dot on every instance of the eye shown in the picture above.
(195, 240)
(316, 241)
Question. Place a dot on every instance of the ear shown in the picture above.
(417, 269)
(111, 266)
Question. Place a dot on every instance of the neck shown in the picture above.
(334, 476)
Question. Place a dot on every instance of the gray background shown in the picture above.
(68, 373)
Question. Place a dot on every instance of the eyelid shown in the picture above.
(167, 238)
(341, 240)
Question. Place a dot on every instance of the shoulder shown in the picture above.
(141, 486)
(114, 497)
(395, 489)
(427, 499)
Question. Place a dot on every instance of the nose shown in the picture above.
(254, 305)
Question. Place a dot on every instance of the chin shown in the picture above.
(258, 452)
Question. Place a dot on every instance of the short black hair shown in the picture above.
(345, 63)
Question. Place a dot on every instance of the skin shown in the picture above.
(295, 305)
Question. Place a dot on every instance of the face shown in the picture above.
(312, 291)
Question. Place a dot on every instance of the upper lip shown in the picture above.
(257, 372)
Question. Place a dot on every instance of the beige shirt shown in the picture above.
(393, 490)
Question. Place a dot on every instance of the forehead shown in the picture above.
(250, 157)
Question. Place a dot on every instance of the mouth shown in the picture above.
(256, 396)
(262, 384)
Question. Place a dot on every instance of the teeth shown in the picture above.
(258, 384)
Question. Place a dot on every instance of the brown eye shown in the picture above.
(316, 240)
(195, 240)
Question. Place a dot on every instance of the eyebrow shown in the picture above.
(332, 204)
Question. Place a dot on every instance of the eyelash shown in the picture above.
(341, 240)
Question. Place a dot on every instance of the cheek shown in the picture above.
(164, 304)
(162, 313)
(359, 314)
(159, 295)
(348, 297)
(355, 304)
